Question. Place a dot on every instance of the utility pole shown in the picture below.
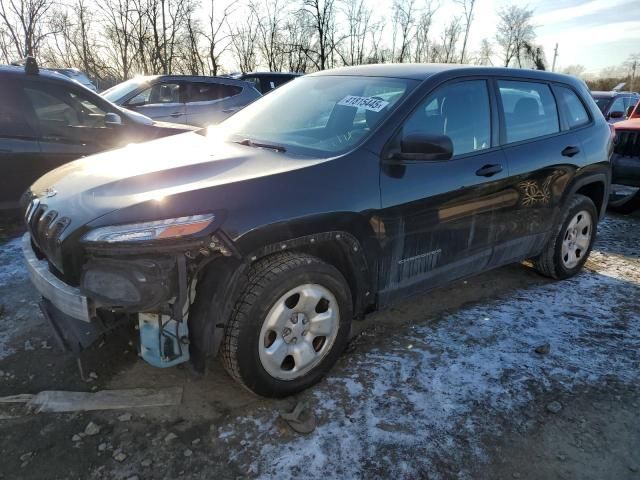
(555, 56)
(634, 65)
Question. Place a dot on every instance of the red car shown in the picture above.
(625, 188)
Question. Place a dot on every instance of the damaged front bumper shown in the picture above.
(78, 323)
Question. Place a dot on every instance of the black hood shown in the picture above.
(89, 188)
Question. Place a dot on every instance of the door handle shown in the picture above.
(570, 151)
(175, 114)
(489, 170)
(231, 110)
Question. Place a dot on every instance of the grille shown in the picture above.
(628, 143)
(46, 227)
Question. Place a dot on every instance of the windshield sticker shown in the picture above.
(368, 103)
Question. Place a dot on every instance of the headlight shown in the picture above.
(156, 230)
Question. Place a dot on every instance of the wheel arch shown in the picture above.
(222, 280)
(594, 186)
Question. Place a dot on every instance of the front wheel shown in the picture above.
(289, 325)
(568, 249)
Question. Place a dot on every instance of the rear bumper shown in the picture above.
(67, 299)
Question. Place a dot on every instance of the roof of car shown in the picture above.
(19, 70)
(197, 78)
(273, 74)
(422, 71)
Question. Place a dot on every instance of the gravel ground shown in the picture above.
(506, 375)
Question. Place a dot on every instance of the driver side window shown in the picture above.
(57, 110)
(460, 111)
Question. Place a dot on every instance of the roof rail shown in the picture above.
(30, 65)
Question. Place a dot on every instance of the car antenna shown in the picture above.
(30, 65)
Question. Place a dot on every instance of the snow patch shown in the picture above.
(419, 406)
(12, 268)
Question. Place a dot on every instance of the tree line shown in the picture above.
(112, 40)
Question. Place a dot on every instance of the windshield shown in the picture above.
(325, 114)
(602, 102)
(114, 94)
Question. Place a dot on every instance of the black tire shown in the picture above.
(549, 263)
(268, 280)
(624, 204)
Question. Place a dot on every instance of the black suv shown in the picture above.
(262, 238)
(46, 120)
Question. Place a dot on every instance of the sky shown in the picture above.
(592, 33)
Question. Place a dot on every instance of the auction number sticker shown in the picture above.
(368, 103)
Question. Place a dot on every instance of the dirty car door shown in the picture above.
(437, 216)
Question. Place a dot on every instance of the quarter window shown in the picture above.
(529, 110)
(208, 92)
(460, 111)
(573, 107)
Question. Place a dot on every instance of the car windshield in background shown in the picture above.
(326, 114)
(602, 102)
(115, 93)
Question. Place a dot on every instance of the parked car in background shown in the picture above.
(266, 81)
(335, 195)
(47, 120)
(615, 105)
(625, 188)
(76, 75)
(191, 100)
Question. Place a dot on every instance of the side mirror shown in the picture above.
(416, 146)
(112, 120)
(616, 114)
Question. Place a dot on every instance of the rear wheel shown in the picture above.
(571, 243)
(289, 325)
(624, 199)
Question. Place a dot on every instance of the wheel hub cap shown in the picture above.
(577, 239)
(298, 331)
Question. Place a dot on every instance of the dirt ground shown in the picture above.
(447, 385)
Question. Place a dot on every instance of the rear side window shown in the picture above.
(576, 114)
(160, 93)
(208, 92)
(529, 108)
(460, 111)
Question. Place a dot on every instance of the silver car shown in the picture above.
(191, 100)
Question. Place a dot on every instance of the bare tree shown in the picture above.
(404, 22)
(321, 14)
(450, 38)
(486, 53)
(24, 22)
(270, 24)
(297, 42)
(358, 20)
(513, 31)
(243, 42)
(467, 7)
(423, 30)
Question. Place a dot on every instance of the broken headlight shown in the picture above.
(146, 231)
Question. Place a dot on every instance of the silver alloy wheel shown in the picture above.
(577, 238)
(299, 331)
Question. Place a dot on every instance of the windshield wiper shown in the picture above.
(250, 143)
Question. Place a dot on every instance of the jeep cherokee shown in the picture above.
(260, 239)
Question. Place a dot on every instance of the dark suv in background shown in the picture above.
(47, 120)
(266, 81)
(263, 238)
(191, 100)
